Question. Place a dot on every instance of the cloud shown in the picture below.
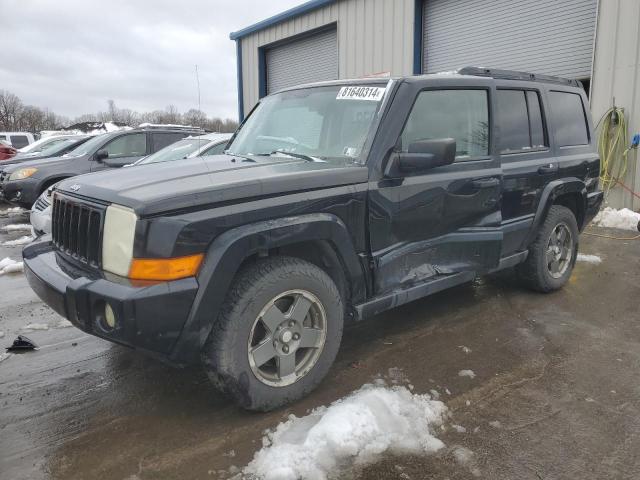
(71, 56)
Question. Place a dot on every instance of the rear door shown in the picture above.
(447, 219)
(160, 140)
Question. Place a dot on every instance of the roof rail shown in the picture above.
(515, 75)
(170, 126)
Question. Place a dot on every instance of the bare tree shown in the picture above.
(10, 110)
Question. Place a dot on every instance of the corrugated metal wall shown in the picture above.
(616, 73)
(542, 36)
(313, 58)
(373, 36)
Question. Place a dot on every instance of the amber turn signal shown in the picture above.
(165, 268)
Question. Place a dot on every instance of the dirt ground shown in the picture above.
(556, 393)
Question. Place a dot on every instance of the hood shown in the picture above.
(28, 162)
(191, 183)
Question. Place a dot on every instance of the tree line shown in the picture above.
(15, 116)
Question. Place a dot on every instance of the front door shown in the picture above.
(122, 151)
(445, 220)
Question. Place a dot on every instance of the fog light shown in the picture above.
(109, 316)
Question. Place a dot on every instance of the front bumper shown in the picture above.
(148, 317)
(41, 220)
(22, 193)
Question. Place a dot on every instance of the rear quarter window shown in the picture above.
(569, 119)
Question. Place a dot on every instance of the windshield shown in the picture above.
(87, 147)
(55, 147)
(175, 151)
(317, 122)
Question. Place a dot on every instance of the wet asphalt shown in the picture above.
(556, 393)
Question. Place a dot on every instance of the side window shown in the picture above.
(569, 119)
(459, 114)
(19, 141)
(215, 150)
(520, 120)
(161, 140)
(133, 145)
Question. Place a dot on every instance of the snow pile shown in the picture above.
(594, 259)
(36, 326)
(19, 241)
(18, 227)
(352, 431)
(4, 356)
(10, 266)
(610, 217)
(467, 373)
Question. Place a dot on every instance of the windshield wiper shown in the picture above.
(302, 156)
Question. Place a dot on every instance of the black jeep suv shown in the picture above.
(23, 183)
(334, 202)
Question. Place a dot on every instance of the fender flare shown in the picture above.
(226, 253)
(550, 193)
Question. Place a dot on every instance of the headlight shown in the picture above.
(117, 240)
(22, 173)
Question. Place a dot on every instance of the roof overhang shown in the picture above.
(281, 17)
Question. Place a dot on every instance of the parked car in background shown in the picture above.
(333, 202)
(40, 216)
(17, 139)
(22, 184)
(57, 148)
(190, 147)
(7, 152)
(199, 146)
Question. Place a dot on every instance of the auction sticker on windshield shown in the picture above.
(361, 93)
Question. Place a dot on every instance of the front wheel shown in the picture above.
(553, 253)
(277, 334)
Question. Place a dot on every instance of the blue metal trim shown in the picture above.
(262, 73)
(239, 73)
(286, 15)
(417, 37)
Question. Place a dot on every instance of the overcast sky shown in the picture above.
(71, 56)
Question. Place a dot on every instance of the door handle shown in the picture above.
(486, 183)
(550, 168)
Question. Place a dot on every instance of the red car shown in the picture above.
(6, 151)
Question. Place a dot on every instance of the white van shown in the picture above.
(17, 139)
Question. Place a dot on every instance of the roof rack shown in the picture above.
(515, 75)
(170, 126)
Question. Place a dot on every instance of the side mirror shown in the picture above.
(101, 155)
(422, 156)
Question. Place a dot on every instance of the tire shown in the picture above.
(231, 354)
(536, 272)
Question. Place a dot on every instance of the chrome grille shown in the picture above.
(41, 203)
(77, 229)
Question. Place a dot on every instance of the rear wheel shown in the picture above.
(553, 253)
(277, 335)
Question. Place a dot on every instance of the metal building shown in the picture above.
(331, 39)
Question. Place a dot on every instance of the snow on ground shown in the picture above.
(4, 356)
(464, 349)
(467, 373)
(459, 428)
(12, 211)
(352, 431)
(466, 458)
(18, 227)
(610, 217)
(1, 334)
(583, 257)
(36, 326)
(19, 241)
(10, 266)
(64, 323)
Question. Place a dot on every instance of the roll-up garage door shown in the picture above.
(312, 58)
(550, 37)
